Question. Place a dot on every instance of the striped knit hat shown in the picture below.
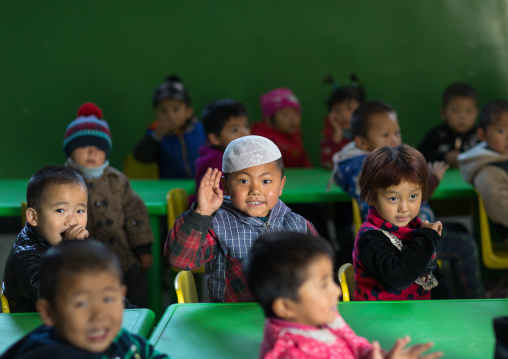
(89, 129)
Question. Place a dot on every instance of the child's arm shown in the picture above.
(394, 268)
(147, 148)
(399, 352)
(492, 183)
(191, 242)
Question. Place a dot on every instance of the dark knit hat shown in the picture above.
(172, 88)
(89, 129)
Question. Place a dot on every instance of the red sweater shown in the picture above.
(290, 145)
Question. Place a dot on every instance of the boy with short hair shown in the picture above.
(224, 120)
(291, 276)
(458, 134)
(486, 164)
(117, 216)
(81, 307)
(57, 210)
(219, 231)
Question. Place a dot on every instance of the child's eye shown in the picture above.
(413, 196)
(108, 299)
(60, 210)
(81, 211)
(384, 135)
(80, 304)
(244, 181)
(393, 199)
(267, 181)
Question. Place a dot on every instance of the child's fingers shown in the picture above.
(376, 351)
(216, 179)
(432, 355)
(206, 178)
(418, 349)
(399, 345)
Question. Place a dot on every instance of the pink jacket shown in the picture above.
(284, 339)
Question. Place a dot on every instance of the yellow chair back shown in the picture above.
(347, 281)
(185, 287)
(3, 299)
(357, 217)
(493, 258)
(135, 169)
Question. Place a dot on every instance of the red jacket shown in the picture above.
(328, 147)
(290, 145)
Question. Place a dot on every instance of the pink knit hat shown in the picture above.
(277, 99)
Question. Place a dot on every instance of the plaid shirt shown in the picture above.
(221, 241)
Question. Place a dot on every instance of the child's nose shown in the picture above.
(70, 219)
(254, 188)
(402, 206)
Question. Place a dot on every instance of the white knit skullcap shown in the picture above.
(249, 151)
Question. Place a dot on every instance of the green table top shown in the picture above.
(459, 328)
(303, 185)
(14, 326)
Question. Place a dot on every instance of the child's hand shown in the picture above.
(163, 128)
(437, 226)
(413, 352)
(451, 158)
(146, 260)
(209, 193)
(438, 168)
(75, 232)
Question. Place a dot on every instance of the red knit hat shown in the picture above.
(89, 129)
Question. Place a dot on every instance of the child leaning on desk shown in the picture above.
(117, 216)
(394, 255)
(486, 164)
(57, 199)
(81, 307)
(219, 231)
(291, 276)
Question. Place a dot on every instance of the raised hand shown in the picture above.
(437, 226)
(438, 168)
(210, 195)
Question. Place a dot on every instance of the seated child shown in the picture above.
(175, 135)
(56, 198)
(458, 133)
(395, 252)
(224, 120)
(81, 307)
(117, 216)
(291, 276)
(281, 124)
(486, 164)
(218, 231)
(337, 132)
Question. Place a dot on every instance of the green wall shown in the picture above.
(55, 55)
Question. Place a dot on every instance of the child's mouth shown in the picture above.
(254, 203)
(97, 335)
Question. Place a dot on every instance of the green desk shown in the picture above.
(459, 328)
(14, 326)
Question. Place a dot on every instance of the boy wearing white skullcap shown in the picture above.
(218, 231)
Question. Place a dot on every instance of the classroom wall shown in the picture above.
(56, 55)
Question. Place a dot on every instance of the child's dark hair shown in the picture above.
(387, 166)
(360, 118)
(345, 93)
(490, 112)
(458, 89)
(73, 257)
(50, 176)
(278, 264)
(279, 163)
(173, 88)
(217, 113)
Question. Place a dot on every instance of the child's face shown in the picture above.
(399, 204)
(255, 190)
(88, 309)
(236, 127)
(496, 134)
(172, 114)
(383, 130)
(287, 120)
(460, 114)
(89, 156)
(63, 207)
(318, 295)
(341, 113)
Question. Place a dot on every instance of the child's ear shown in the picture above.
(480, 132)
(31, 216)
(284, 308)
(189, 112)
(213, 139)
(282, 183)
(225, 185)
(361, 142)
(46, 312)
